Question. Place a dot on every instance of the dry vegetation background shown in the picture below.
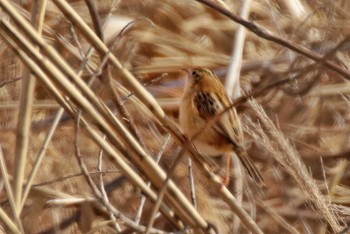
(83, 170)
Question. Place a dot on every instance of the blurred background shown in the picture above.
(304, 117)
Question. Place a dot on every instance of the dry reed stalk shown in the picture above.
(261, 32)
(233, 89)
(289, 158)
(143, 198)
(282, 222)
(99, 194)
(47, 140)
(140, 92)
(157, 111)
(36, 105)
(25, 114)
(17, 226)
(233, 75)
(40, 157)
(8, 222)
(128, 171)
(103, 191)
(69, 88)
(308, 108)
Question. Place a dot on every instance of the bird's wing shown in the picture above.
(205, 105)
(229, 124)
(209, 105)
(235, 123)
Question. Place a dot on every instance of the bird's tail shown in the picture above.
(253, 172)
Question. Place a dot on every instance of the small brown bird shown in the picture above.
(204, 98)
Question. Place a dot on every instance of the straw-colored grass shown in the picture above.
(89, 97)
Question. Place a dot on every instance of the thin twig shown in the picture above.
(9, 81)
(95, 18)
(143, 198)
(98, 194)
(263, 33)
(163, 191)
(40, 157)
(8, 222)
(25, 113)
(74, 175)
(10, 197)
(149, 168)
(49, 136)
(279, 219)
(74, 94)
(103, 190)
(192, 184)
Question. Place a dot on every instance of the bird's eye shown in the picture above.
(195, 75)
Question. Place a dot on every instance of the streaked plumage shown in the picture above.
(204, 98)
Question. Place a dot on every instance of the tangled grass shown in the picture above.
(90, 141)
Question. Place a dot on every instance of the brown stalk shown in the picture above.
(149, 101)
(263, 33)
(25, 113)
(97, 192)
(77, 96)
(17, 226)
(154, 107)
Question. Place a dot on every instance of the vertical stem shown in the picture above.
(25, 113)
(234, 71)
(4, 217)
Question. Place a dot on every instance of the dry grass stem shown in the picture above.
(4, 174)
(8, 222)
(89, 100)
(25, 114)
(232, 78)
(289, 158)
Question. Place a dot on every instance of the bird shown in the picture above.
(204, 99)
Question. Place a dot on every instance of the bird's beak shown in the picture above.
(186, 70)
